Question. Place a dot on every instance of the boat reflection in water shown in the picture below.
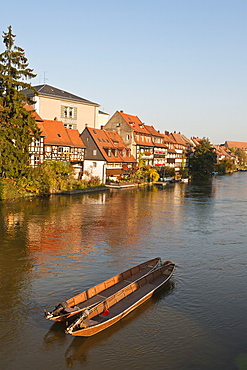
(80, 346)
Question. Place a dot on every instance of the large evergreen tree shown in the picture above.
(17, 125)
(203, 162)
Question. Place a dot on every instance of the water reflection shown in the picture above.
(51, 249)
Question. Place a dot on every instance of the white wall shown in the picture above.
(98, 170)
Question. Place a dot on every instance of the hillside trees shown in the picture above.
(203, 162)
(17, 125)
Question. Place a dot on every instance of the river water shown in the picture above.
(52, 248)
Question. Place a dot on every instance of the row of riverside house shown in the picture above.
(75, 130)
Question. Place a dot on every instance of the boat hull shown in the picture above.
(101, 291)
(129, 303)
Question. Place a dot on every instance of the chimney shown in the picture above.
(102, 127)
(121, 111)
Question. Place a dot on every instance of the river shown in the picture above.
(52, 248)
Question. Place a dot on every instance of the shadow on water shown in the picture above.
(80, 347)
(201, 190)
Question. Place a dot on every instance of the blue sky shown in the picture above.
(179, 65)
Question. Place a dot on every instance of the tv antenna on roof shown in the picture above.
(45, 79)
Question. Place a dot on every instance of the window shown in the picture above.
(127, 137)
(63, 149)
(95, 152)
(36, 160)
(68, 112)
(94, 164)
(71, 112)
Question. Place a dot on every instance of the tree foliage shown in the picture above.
(203, 161)
(242, 156)
(145, 172)
(17, 125)
(225, 166)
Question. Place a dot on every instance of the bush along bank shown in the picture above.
(48, 178)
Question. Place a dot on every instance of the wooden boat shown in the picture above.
(114, 308)
(89, 298)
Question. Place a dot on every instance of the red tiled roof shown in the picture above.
(168, 139)
(56, 134)
(110, 140)
(236, 145)
(178, 138)
(75, 138)
(34, 114)
(135, 123)
(153, 131)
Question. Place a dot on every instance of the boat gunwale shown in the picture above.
(97, 327)
(71, 301)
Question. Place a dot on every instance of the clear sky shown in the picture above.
(179, 65)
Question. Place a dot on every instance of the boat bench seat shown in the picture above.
(90, 322)
(71, 309)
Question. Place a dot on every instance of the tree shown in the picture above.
(225, 166)
(242, 157)
(17, 125)
(203, 161)
(145, 172)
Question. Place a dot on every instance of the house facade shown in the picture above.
(106, 155)
(159, 150)
(134, 135)
(75, 112)
(57, 143)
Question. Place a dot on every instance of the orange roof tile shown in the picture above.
(168, 139)
(34, 114)
(110, 140)
(135, 123)
(153, 131)
(75, 138)
(178, 138)
(236, 145)
(56, 134)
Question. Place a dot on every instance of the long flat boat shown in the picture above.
(100, 292)
(114, 308)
